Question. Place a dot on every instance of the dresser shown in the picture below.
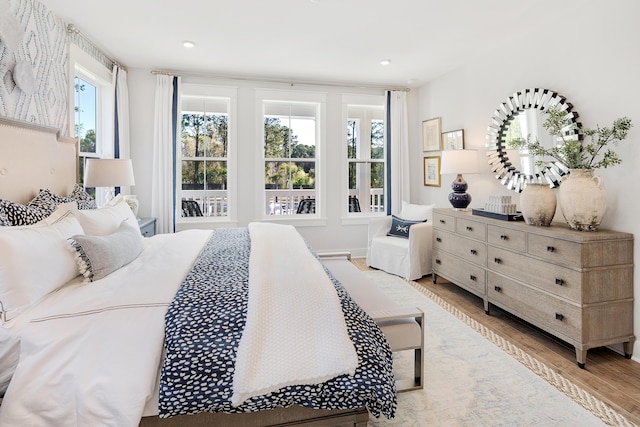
(577, 286)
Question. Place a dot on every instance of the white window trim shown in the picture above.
(355, 218)
(94, 72)
(320, 98)
(215, 91)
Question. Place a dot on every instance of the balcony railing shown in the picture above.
(214, 203)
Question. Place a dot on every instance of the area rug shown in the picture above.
(474, 377)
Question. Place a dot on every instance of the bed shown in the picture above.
(169, 330)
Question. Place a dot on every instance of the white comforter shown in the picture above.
(119, 326)
(290, 295)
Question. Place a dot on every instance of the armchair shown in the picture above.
(409, 257)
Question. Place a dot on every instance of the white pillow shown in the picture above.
(106, 220)
(35, 261)
(413, 212)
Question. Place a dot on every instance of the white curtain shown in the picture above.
(164, 134)
(398, 148)
(122, 147)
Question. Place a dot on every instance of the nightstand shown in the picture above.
(147, 226)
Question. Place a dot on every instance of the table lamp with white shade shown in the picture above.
(459, 162)
(108, 173)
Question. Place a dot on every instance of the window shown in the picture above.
(366, 158)
(92, 118)
(203, 159)
(290, 150)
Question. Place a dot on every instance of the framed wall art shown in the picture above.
(431, 134)
(432, 171)
(453, 140)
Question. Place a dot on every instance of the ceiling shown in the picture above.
(331, 41)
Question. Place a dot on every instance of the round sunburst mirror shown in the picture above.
(522, 116)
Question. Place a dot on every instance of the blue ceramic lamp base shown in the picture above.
(459, 199)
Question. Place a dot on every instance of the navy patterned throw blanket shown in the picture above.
(204, 325)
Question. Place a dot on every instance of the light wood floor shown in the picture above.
(608, 375)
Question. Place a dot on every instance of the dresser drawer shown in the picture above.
(555, 250)
(444, 222)
(467, 249)
(507, 238)
(543, 310)
(552, 278)
(472, 229)
(461, 273)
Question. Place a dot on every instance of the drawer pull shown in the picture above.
(472, 277)
(503, 237)
(469, 228)
(497, 288)
(473, 252)
(559, 282)
(497, 260)
(442, 221)
(560, 317)
(437, 261)
(438, 240)
(551, 249)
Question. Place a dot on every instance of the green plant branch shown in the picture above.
(578, 153)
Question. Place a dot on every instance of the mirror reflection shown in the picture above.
(528, 125)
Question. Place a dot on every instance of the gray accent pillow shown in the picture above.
(98, 256)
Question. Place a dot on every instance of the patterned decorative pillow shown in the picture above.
(4, 221)
(45, 201)
(17, 214)
(82, 198)
(400, 227)
(98, 256)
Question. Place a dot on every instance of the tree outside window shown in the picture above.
(290, 155)
(366, 156)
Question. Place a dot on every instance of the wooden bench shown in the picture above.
(401, 325)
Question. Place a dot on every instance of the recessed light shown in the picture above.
(188, 44)
(385, 62)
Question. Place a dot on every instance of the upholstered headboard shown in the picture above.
(34, 157)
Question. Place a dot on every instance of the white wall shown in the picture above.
(338, 234)
(591, 57)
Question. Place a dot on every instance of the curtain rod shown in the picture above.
(289, 82)
(72, 29)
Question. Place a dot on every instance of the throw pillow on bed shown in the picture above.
(45, 201)
(400, 227)
(98, 256)
(18, 214)
(106, 220)
(4, 221)
(82, 198)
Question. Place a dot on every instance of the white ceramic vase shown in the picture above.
(583, 199)
(538, 204)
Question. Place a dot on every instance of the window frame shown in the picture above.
(366, 101)
(318, 100)
(83, 65)
(230, 95)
